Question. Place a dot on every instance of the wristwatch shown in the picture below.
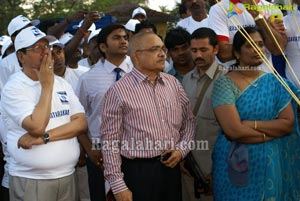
(46, 138)
(259, 17)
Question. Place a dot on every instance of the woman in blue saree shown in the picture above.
(257, 153)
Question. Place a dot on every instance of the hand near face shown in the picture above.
(45, 74)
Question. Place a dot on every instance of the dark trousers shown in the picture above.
(4, 195)
(96, 181)
(150, 180)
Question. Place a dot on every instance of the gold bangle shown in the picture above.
(255, 124)
(264, 137)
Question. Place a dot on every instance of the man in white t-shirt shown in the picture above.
(43, 118)
(223, 16)
(94, 52)
(198, 18)
(71, 75)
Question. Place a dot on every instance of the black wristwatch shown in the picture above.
(46, 138)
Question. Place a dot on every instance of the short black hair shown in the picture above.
(145, 24)
(103, 34)
(204, 32)
(177, 36)
(182, 9)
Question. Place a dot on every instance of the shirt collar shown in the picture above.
(210, 72)
(125, 65)
(140, 77)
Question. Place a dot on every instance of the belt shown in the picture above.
(156, 158)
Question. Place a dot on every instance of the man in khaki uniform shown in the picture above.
(198, 85)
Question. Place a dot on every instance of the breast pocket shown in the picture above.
(174, 113)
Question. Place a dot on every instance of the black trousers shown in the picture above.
(96, 181)
(150, 180)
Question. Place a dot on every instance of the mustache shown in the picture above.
(198, 59)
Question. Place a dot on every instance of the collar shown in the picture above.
(210, 72)
(125, 65)
(140, 77)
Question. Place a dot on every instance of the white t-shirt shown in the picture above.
(47, 161)
(84, 62)
(292, 49)
(72, 75)
(8, 66)
(3, 139)
(191, 25)
(223, 26)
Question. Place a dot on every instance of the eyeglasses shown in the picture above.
(39, 49)
(154, 50)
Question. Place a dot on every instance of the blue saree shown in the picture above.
(274, 166)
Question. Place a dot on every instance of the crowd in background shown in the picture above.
(209, 112)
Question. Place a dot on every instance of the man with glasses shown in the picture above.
(43, 118)
(147, 127)
(112, 42)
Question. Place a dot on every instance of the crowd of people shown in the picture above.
(120, 113)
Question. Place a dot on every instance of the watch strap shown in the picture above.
(46, 138)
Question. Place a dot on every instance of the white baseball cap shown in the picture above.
(130, 25)
(30, 36)
(92, 27)
(3, 39)
(57, 43)
(18, 23)
(93, 34)
(138, 10)
(5, 46)
(65, 38)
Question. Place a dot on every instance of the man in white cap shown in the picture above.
(61, 69)
(7, 48)
(43, 118)
(130, 27)
(139, 14)
(94, 52)
(10, 64)
(3, 39)
(72, 62)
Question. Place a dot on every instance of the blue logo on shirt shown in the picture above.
(63, 97)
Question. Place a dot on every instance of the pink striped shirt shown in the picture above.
(141, 120)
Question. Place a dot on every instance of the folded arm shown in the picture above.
(233, 127)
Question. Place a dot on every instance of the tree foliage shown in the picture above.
(47, 9)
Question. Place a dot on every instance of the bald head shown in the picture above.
(139, 40)
(147, 52)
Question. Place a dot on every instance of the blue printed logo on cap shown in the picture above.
(36, 32)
